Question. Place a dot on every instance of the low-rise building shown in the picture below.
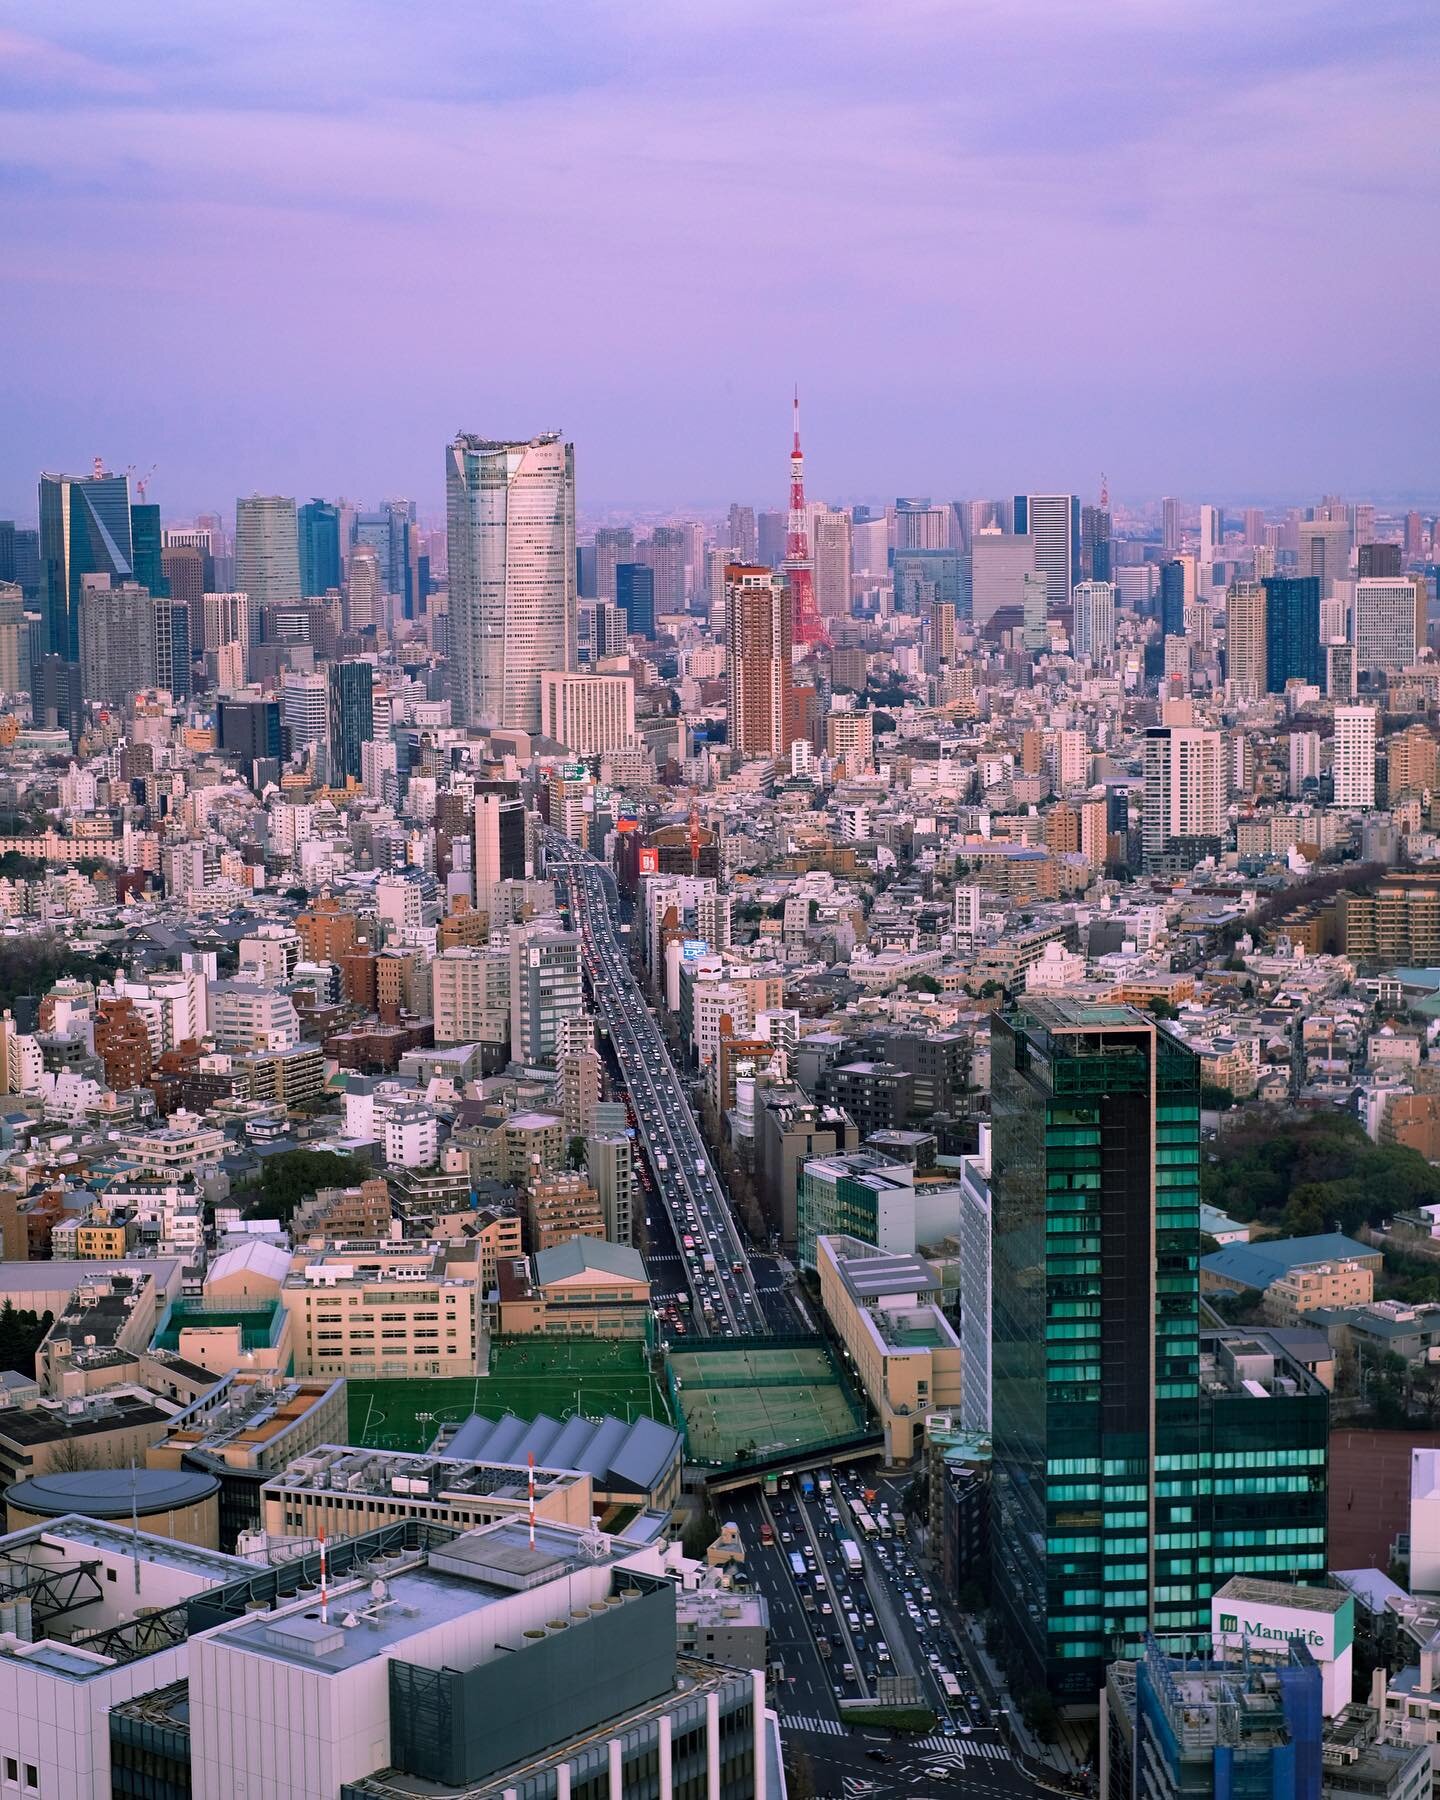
(582, 1287)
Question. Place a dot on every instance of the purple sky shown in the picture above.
(1001, 244)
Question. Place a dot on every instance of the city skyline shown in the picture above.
(1120, 240)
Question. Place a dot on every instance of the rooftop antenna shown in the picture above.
(324, 1584)
(530, 1459)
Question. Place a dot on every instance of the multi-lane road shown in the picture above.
(718, 1276)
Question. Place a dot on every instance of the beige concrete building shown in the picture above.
(589, 714)
(470, 990)
(342, 1492)
(904, 1349)
(581, 1288)
(560, 1206)
(1308, 1285)
(386, 1309)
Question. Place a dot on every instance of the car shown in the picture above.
(880, 1756)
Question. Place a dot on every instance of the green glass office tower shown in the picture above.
(146, 540)
(84, 530)
(1139, 1462)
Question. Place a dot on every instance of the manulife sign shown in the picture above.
(1264, 1617)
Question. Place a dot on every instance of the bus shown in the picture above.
(949, 1686)
(868, 1527)
(850, 1550)
(767, 1532)
(797, 1565)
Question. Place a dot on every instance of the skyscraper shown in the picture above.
(511, 519)
(352, 718)
(664, 553)
(500, 841)
(1094, 633)
(1169, 526)
(830, 549)
(170, 624)
(319, 529)
(305, 703)
(146, 540)
(999, 564)
(1292, 631)
(757, 661)
(1139, 1463)
(634, 590)
(1096, 560)
(363, 607)
(117, 640)
(183, 566)
(741, 539)
(1245, 640)
(770, 528)
(1385, 618)
(1172, 598)
(267, 550)
(1325, 551)
(85, 529)
(1053, 522)
(612, 547)
(1377, 560)
(1354, 756)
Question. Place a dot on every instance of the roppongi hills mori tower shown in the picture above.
(511, 517)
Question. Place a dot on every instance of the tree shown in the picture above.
(21, 1334)
(924, 984)
(575, 1157)
(294, 1175)
(700, 1534)
(1040, 1713)
(1214, 1098)
(300, 895)
(1160, 1008)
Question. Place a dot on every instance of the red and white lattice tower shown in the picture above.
(806, 625)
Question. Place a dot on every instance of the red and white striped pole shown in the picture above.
(324, 1585)
(531, 1460)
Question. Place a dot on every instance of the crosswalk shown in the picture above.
(949, 1746)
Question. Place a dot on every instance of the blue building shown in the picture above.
(925, 576)
(85, 529)
(1175, 1723)
(635, 596)
(1292, 631)
(1172, 600)
(319, 547)
(352, 718)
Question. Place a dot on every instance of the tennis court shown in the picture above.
(761, 1401)
(528, 1376)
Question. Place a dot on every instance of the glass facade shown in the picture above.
(84, 530)
(1133, 1475)
(1292, 631)
(319, 525)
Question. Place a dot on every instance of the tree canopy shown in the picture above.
(1320, 1173)
(294, 1175)
(20, 1337)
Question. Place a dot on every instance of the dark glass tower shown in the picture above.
(319, 547)
(84, 530)
(352, 718)
(635, 596)
(1292, 631)
(1172, 600)
(1138, 1462)
(146, 541)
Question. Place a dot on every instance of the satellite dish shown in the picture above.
(378, 1590)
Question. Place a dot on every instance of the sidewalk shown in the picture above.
(1071, 1749)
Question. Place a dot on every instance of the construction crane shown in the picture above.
(694, 824)
(1104, 492)
(141, 481)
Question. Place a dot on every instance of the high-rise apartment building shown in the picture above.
(830, 534)
(1139, 1462)
(1052, 521)
(664, 552)
(1245, 640)
(1354, 756)
(363, 605)
(117, 640)
(352, 718)
(1385, 620)
(318, 523)
(770, 530)
(85, 529)
(635, 596)
(183, 566)
(1172, 598)
(267, 549)
(1292, 631)
(1094, 628)
(511, 521)
(1185, 792)
(741, 537)
(170, 624)
(757, 661)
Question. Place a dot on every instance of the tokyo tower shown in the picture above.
(806, 625)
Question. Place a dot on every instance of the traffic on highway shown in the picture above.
(721, 1286)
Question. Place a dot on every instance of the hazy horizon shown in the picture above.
(1000, 248)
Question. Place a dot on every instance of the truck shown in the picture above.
(807, 1486)
(825, 1484)
(850, 1550)
(797, 1565)
(767, 1532)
